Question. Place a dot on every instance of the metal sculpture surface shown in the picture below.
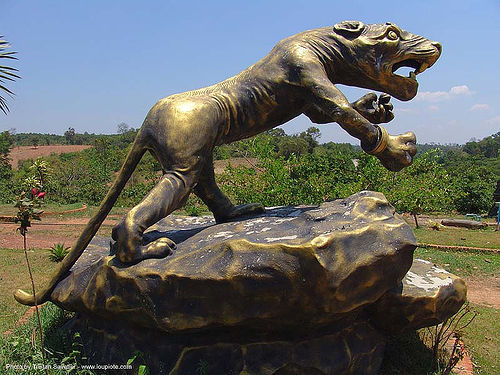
(297, 76)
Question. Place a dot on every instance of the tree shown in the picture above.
(123, 128)
(487, 147)
(35, 141)
(473, 186)
(102, 146)
(292, 145)
(276, 132)
(6, 73)
(70, 135)
(311, 136)
(6, 142)
(425, 186)
(78, 139)
(6, 185)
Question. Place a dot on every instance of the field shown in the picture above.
(20, 153)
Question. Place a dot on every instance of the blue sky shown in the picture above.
(94, 64)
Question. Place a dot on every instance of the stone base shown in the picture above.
(297, 290)
(289, 267)
(426, 296)
(355, 350)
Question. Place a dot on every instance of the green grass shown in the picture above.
(15, 275)
(462, 263)
(407, 355)
(481, 337)
(486, 238)
(9, 209)
(16, 349)
(192, 208)
(482, 340)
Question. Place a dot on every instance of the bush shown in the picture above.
(57, 252)
(290, 170)
(473, 187)
(307, 179)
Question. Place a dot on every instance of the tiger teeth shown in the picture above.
(422, 68)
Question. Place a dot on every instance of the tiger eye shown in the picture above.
(392, 35)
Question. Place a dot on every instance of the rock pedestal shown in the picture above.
(296, 290)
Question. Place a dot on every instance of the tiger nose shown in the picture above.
(438, 46)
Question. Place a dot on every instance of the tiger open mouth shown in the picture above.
(418, 65)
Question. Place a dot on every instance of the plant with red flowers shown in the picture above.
(28, 204)
(28, 208)
(29, 201)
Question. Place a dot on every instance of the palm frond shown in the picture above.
(3, 105)
(6, 73)
(6, 90)
(7, 68)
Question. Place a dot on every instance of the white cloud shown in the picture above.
(433, 97)
(433, 108)
(439, 96)
(460, 90)
(479, 107)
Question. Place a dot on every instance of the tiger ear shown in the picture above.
(349, 29)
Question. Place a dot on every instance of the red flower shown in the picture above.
(34, 191)
(41, 194)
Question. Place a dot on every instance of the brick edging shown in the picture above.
(464, 366)
(459, 248)
(11, 219)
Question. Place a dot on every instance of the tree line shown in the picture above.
(290, 169)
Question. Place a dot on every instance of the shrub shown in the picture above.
(57, 252)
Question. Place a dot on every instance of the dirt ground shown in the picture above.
(484, 291)
(19, 153)
(220, 165)
(44, 234)
(29, 152)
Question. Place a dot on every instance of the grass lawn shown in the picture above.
(407, 355)
(482, 340)
(486, 238)
(462, 263)
(482, 337)
(15, 275)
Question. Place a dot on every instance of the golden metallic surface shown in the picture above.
(297, 76)
(381, 144)
(429, 295)
(288, 266)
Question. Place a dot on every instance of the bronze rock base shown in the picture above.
(296, 290)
